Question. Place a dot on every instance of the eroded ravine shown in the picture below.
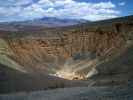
(75, 50)
(79, 50)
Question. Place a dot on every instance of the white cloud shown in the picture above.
(59, 8)
(122, 3)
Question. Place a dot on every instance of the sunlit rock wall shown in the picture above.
(49, 53)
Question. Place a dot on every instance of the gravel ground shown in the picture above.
(77, 93)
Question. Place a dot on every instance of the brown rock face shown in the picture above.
(52, 51)
(49, 51)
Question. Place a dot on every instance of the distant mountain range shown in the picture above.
(54, 22)
(47, 22)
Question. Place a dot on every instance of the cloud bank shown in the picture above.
(18, 10)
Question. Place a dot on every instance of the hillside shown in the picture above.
(98, 53)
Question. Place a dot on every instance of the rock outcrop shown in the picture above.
(81, 49)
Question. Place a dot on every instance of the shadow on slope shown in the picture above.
(117, 71)
(12, 80)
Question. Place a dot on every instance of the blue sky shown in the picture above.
(19, 10)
